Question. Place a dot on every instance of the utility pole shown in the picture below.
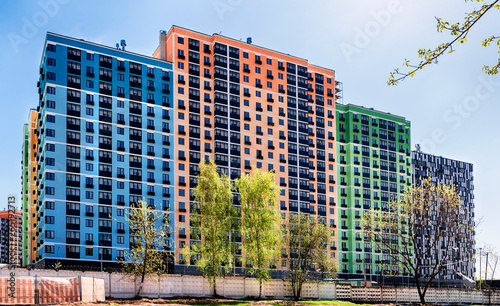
(480, 259)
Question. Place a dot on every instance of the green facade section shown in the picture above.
(373, 165)
(25, 208)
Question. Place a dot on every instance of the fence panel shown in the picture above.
(309, 291)
(24, 290)
(273, 288)
(234, 287)
(343, 291)
(402, 295)
(358, 293)
(373, 293)
(327, 291)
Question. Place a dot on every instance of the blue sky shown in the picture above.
(453, 106)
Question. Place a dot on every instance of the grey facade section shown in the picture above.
(444, 170)
(5, 239)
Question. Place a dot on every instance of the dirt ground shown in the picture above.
(181, 301)
(185, 301)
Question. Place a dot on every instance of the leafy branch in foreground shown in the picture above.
(459, 30)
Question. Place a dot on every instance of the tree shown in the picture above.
(262, 235)
(308, 239)
(211, 251)
(425, 221)
(150, 229)
(459, 31)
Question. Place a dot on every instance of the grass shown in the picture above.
(228, 303)
(252, 302)
(330, 302)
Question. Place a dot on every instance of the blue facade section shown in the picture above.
(105, 142)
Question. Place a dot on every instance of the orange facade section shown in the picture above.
(261, 115)
(33, 188)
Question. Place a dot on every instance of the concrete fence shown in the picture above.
(118, 285)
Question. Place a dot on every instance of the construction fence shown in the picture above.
(118, 285)
(16, 289)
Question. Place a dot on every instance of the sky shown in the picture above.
(452, 106)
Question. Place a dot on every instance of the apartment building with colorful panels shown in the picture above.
(373, 165)
(29, 189)
(247, 106)
(113, 127)
(99, 140)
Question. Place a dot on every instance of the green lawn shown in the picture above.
(228, 303)
(343, 303)
(265, 302)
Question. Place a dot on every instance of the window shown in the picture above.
(49, 249)
(49, 234)
(51, 133)
(51, 61)
(49, 219)
(180, 40)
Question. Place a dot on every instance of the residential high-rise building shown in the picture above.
(246, 106)
(373, 166)
(10, 237)
(99, 140)
(113, 127)
(442, 170)
(29, 189)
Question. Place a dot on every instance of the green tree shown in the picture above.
(424, 220)
(459, 32)
(308, 239)
(262, 235)
(149, 230)
(211, 251)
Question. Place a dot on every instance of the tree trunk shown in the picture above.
(422, 298)
(260, 289)
(297, 290)
(421, 292)
(140, 286)
(215, 287)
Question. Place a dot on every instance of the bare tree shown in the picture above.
(425, 221)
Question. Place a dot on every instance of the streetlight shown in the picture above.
(57, 264)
